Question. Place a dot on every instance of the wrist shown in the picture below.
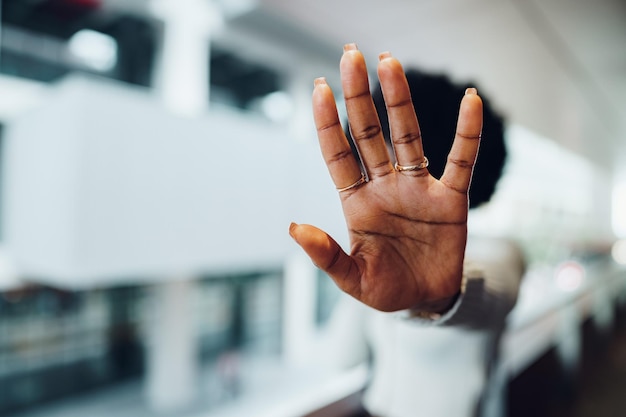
(434, 309)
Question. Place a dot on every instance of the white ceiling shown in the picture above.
(555, 66)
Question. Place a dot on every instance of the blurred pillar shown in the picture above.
(300, 87)
(618, 213)
(568, 343)
(172, 355)
(183, 58)
(300, 295)
(182, 82)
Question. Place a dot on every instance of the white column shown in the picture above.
(182, 82)
(618, 212)
(182, 67)
(171, 375)
(300, 89)
(569, 339)
(300, 292)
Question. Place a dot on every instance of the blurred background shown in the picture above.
(154, 152)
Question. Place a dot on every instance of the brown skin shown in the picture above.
(407, 229)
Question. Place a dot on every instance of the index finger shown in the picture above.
(341, 163)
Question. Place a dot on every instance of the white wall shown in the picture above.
(104, 184)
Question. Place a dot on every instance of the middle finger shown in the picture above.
(405, 130)
(362, 116)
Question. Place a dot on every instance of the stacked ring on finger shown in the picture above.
(358, 182)
(421, 165)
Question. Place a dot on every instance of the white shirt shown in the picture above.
(434, 368)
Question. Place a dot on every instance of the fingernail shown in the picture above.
(384, 55)
(292, 228)
(471, 90)
(319, 81)
(350, 47)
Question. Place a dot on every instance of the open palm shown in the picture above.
(407, 229)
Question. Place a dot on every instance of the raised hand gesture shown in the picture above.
(407, 229)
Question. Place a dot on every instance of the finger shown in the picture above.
(405, 130)
(364, 123)
(342, 165)
(458, 172)
(327, 255)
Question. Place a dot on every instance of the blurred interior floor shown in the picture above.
(267, 388)
(265, 382)
(598, 390)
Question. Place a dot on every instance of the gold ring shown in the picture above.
(417, 167)
(356, 184)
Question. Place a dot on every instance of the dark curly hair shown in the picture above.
(436, 101)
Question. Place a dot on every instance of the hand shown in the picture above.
(407, 229)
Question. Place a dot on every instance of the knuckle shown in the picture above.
(408, 138)
(461, 163)
(339, 156)
(328, 126)
(367, 133)
(468, 136)
(402, 103)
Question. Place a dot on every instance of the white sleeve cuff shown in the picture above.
(466, 311)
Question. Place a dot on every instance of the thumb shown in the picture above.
(327, 255)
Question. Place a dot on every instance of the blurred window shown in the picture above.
(45, 40)
(241, 83)
(56, 344)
